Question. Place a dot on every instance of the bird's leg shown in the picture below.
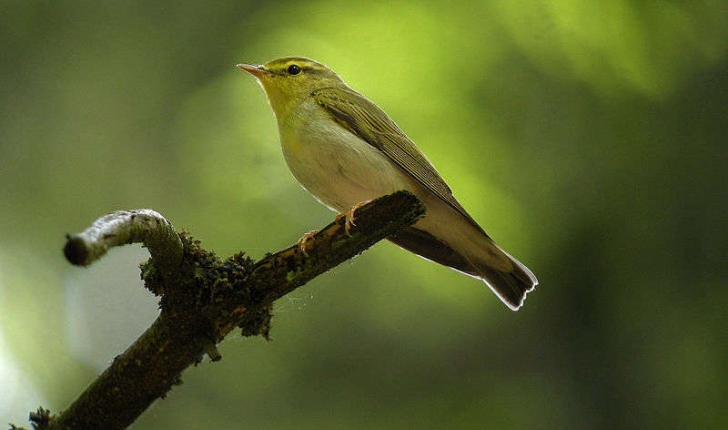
(308, 236)
(349, 215)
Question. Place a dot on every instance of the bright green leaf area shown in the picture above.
(588, 138)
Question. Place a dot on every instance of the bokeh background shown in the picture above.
(588, 138)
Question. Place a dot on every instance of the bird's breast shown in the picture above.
(336, 166)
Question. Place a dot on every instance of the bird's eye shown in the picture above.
(294, 69)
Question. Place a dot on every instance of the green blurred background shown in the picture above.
(588, 138)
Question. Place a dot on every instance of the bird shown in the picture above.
(345, 150)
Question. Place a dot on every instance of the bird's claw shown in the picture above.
(350, 217)
(308, 236)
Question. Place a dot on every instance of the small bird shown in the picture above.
(345, 150)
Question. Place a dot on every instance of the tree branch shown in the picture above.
(204, 298)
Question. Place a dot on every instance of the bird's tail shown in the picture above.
(507, 277)
(510, 284)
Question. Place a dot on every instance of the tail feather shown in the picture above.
(511, 286)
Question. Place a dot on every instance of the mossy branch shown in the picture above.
(203, 299)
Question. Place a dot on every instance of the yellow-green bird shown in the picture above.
(345, 150)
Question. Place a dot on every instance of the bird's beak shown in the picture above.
(257, 71)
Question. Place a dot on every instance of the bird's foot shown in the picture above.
(303, 241)
(350, 216)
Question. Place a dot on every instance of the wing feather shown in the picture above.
(366, 120)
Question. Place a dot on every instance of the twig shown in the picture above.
(125, 227)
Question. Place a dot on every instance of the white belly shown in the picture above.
(337, 167)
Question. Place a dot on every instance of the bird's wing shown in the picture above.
(367, 121)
